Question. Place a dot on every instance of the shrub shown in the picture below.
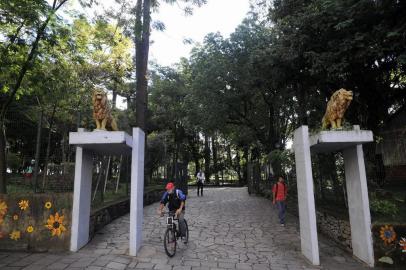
(384, 207)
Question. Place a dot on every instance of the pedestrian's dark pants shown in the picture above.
(281, 211)
(199, 187)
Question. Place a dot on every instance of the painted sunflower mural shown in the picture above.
(3, 208)
(48, 205)
(15, 235)
(23, 204)
(55, 224)
(30, 229)
(387, 234)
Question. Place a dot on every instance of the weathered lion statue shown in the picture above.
(336, 108)
(102, 111)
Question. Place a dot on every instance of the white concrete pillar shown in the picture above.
(307, 210)
(137, 190)
(358, 204)
(81, 198)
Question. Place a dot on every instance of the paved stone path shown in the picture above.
(228, 230)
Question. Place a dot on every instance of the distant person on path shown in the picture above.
(176, 203)
(200, 182)
(280, 192)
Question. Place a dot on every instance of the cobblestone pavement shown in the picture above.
(228, 230)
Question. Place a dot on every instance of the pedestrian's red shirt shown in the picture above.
(282, 191)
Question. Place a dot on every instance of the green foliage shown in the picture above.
(383, 207)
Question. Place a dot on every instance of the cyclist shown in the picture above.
(176, 202)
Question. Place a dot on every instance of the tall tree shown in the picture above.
(10, 88)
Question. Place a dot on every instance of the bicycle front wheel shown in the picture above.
(186, 237)
(170, 242)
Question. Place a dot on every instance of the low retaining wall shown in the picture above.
(35, 222)
(102, 216)
(334, 227)
(42, 222)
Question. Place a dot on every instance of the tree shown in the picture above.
(10, 88)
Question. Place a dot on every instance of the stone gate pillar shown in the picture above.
(358, 204)
(81, 198)
(137, 190)
(305, 194)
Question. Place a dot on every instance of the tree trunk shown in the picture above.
(3, 163)
(215, 160)
(207, 158)
(38, 151)
(245, 170)
(238, 168)
(48, 151)
(142, 34)
(302, 107)
(114, 101)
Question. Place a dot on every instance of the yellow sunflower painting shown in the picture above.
(30, 229)
(48, 205)
(55, 224)
(23, 204)
(387, 234)
(3, 208)
(15, 235)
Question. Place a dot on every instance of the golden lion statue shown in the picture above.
(336, 108)
(102, 112)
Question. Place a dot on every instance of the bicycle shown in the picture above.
(172, 234)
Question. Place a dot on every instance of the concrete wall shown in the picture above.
(37, 215)
(23, 221)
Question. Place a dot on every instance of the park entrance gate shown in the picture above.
(350, 142)
(103, 143)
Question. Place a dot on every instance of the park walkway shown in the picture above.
(228, 230)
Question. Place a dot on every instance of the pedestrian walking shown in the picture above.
(200, 182)
(280, 192)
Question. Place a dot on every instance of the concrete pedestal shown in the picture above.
(357, 191)
(106, 143)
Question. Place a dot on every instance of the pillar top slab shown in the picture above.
(103, 142)
(336, 140)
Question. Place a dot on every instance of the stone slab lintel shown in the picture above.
(335, 140)
(103, 142)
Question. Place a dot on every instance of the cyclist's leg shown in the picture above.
(182, 226)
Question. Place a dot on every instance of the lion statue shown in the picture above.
(102, 112)
(336, 108)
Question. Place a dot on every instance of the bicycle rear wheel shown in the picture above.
(170, 242)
